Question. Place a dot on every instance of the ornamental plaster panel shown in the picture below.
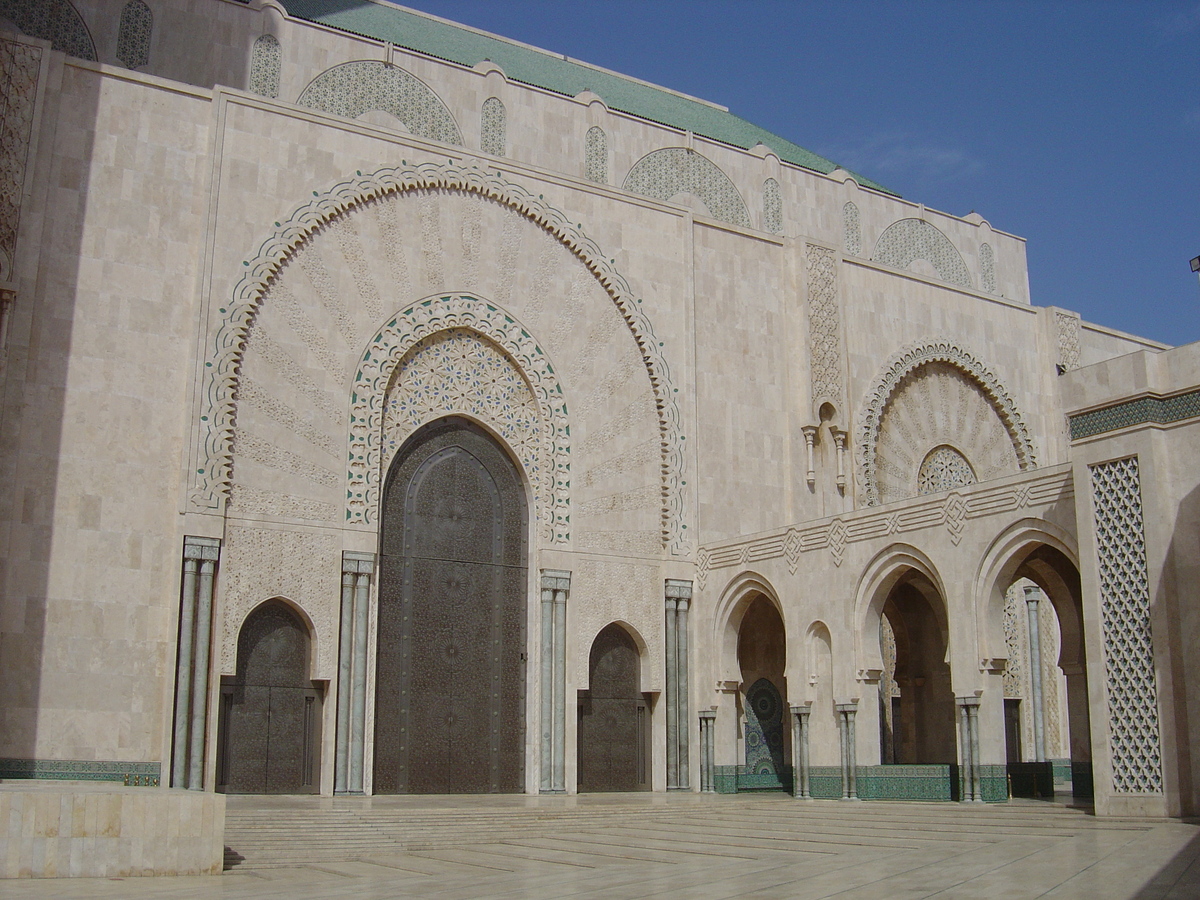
(932, 393)
(266, 57)
(300, 319)
(595, 155)
(362, 86)
(908, 240)
(303, 567)
(824, 328)
(663, 174)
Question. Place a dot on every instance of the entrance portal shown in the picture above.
(450, 678)
(612, 717)
(270, 713)
(761, 656)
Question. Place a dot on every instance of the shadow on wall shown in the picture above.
(1176, 592)
(34, 379)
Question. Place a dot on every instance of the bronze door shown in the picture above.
(270, 713)
(450, 678)
(612, 717)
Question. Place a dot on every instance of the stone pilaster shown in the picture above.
(846, 712)
(555, 586)
(801, 781)
(357, 569)
(678, 595)
(708, 719)
(200, 557)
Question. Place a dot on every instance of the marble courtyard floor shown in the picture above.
(667, 846)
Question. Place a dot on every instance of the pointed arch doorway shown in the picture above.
(450, 669)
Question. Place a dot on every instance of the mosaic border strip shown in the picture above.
(139, 774)
(1152, 410)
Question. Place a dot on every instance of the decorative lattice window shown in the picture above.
(264, 66)
(1125, 622)
(133, 36)
(665, 173)
(772, 207)
(493, 131)
(943, 469)
(595, 155)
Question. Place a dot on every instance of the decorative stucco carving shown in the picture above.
(662, 174)
(459, 354)
(20, 64)
(824, 330)
(211, 475)
(354, 88)
(960, 390)
(56, 21)
(1066, 327)
(907, 240)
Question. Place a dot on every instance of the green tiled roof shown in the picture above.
(415, 31)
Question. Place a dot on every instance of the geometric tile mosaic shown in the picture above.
(1157, 410)
(1125, 622)
(851, 231)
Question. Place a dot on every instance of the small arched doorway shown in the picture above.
(450, 666)
(613, 717)
(270, 710)
(762, 655)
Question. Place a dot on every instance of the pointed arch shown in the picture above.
(212, 454)
(908, 360)
(881, 574)
(295, 609)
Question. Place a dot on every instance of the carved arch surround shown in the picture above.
(549, 470)
(221, 362)
(907, 361)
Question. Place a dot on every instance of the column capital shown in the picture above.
(357, 563)
(201, 547)
(802, 709)
(708, 714)
(869, 676)
(1033, 593)
(555, 580)
(971, 700)
(847, 706)
(674, 589)
(993, 665)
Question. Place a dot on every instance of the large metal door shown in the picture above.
(450, 677)
(612, 717)
(270, 712)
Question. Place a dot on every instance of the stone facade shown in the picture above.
(799, 437)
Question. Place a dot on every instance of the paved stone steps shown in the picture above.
(272, 837)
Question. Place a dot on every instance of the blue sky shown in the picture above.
(1075, 125)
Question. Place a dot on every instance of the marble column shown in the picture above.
(345, 661)
(678, 595)
(708, 781)
(200, 557)
(801, 783)
(970, 789)
(1033, 594)
(846, 713)
(357, 569)
(554, 674)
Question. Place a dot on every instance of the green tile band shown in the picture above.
(140, 774)
(1144, 410)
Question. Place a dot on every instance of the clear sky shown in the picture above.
(1075, 125)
